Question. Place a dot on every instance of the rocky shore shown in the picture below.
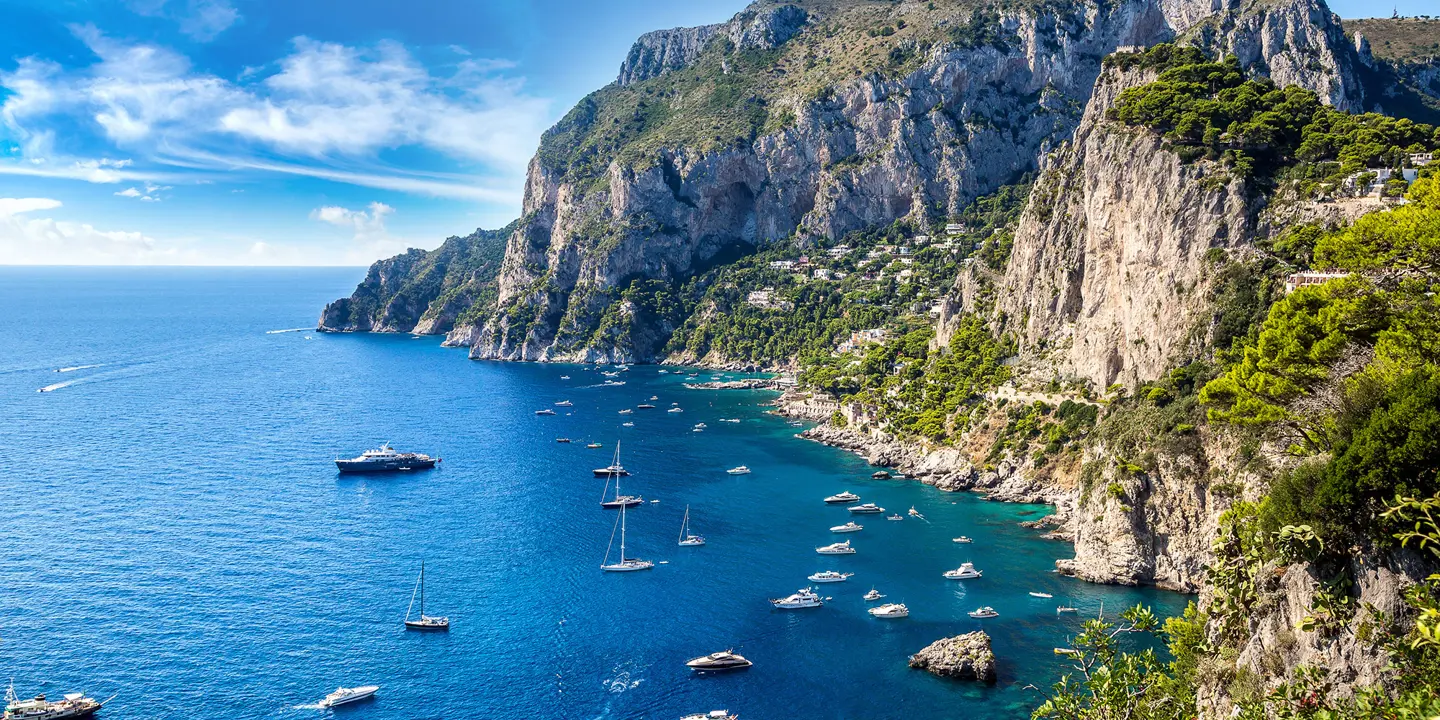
(746, 384)
(963, 657)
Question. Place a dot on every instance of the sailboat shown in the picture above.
(686, 539)
(425, 622)
(625, 564)
(620, 501)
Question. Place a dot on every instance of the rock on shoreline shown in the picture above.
(963, 657)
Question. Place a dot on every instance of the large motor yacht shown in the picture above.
(385, 459)
(71, 705)
(844, 497)
(803, 598)
(848, 527)
(964, 572)
(829, 576)
(862, 509)
(890, 610)
(840, 548)
(723, 660)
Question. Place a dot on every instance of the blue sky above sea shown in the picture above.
(252, 132)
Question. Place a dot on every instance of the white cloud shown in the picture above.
(371, 238)
(150, 192)
(15, 206)
(43, 241)
(202, 20)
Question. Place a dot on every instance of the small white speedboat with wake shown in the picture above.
(866, 508)
(964, 572)
(915, 513)
(840, 548)
(848, 527)
(896, 516)
(742, 470)
(984, 612)
(890, 610)
(1046, 596)
(874, 595)
(564, 403)
(564, 377)
(675, 410)
(546, 411)
(345, 695)
(841, 498)
(803, 598)
(829, 576)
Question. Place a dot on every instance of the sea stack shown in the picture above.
(963, 657)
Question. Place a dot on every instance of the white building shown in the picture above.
(838, 251)
(860, 338)
(822, 273)
(782, 264)
(1298, 280)
(1421, 159)
(954, 228)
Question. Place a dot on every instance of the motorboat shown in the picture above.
(840, 548)
(701, 426)
(829, 576)
(964, 572)
(645, 406)
(961, 539)
(653, 398)
(564, 377)
(880, 475)
(866, 508)
(1066, 609)
(546, 411)
(802, 598)
(1047, 596)
(915, 513)
(841, 498)
(592, 446)
(687, 539)
(626, 411)
(730, 420)
(675, 410)
(613, 383)
(742, 470)
(70, 705)
(984, 612)
(889, 611)
(723, 660)
(848, 527)
(896, 516)
(697, 429)
(385, 459)
(345, 695)
(611, 470)
(627, 424)
(713, 714)
(424, 622)
(562, 440)
(564, 403)
(874, 595)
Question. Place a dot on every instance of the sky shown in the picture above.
(298, 132)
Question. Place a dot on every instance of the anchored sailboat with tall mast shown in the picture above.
(620, 501)
(625, 564)
(425, 622)
(686, 538)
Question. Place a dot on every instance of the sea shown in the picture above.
(174, 533)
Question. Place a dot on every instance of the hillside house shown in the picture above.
(1298, 280)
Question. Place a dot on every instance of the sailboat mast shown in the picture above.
(422, 589)
(622, 529)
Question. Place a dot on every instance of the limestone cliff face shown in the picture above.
(658, 52)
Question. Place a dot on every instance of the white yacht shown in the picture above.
(840, 548)
(674, 409)
(624, 564)
(626, 411)
(345, 695)
(984, 612)
(964, 572)
(71, 705)
(564, 377)
(896, 516)
(961, 539)
(701, 426)
(844, 497)
(874, 595)
(1047, 596)
(627, 424)
(848, 527)
(742, 470)
(723, 660)
(866, 508)
(829, 576)
(1066, 609)
(803, 598)
(686, 538)
(592, 446)
(890, 610)
(713, 714)
(546, 411)
(564, 403)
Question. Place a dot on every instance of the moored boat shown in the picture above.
(688, 539)
(866, 508)
(984, 612)
(345, 695)
(962, 539)
(848, 527)
(564, 403)
(385, 459)
(829, 576)
(70, 705)
(624, 564)
(841, 498)
(964, 572)
(713, 714)
(802, 598)
(874, 595)
(424, 622)
(546, 411)
(742, 470)
(840, 548)
(1044, 595)
(723, 660)
(890, 610)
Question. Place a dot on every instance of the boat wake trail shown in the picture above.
(277, 332)
(79, 367)
(625, 678)
(308, 706)
(56, 386)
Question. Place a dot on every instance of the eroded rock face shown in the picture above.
(963, 657)
(660, 51)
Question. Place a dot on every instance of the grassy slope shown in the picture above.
(1401, 40)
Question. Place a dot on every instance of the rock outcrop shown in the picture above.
(963, 657)
(660, 51)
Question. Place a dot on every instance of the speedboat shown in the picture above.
(880, 475)
(546, 411)
(697, 430)
(829, 576)
(653, 398)
(866, 508)
(675, 409)
(873, 595)
(645, 406)
(984, 612)
(803, 598)
(840, 548)
(701, 426)
(592, 446)
(713, 714)
(626, 411)
(848, 527)
(562, 440)
(71, 705)
(345, 695)
(742, 470)
(564, 377)
(615, 469)
(964, 572)
(1066, 609)
(723, 660)
(896, 516)
(890, 610)
(961, 539)
(915, 513)
(627, 424)
(844, 497)
(730, 420)
(564, 403)
(1047, 596)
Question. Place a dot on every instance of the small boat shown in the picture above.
(795, 423)
(70, 705)
(627, 424)
(701, 426)
(613, 383)
(984, 612)
(1047, 596)
(624, 564)
(564, 403)
(730, 420)
(896, 516)
(803, 598)
(890, 610)
(829, 576)
(840, 548)
(345, 695)
(608, 373)
(674, 410)
(697, 430)
(626, 411)
(880, 475)
(645, 406)
(742, 470)
(653, 398)
(915, 513)
(562, 440)
(1066, 651)
(723, 660)
(667, 372)
(844, 497)
(592, 446)
(564, 377)
(686, 539)
(866, 508)
(713, 714)
(848, 527)
(964, 572)
(961, 539)
(1066, 609)
(546, 411)
(424, 622)
(873, 595)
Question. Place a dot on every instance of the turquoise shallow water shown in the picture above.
(174, 531)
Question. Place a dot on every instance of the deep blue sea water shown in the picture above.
(174, 532)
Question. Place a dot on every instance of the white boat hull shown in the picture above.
(628, 566)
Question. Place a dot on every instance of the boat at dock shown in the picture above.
(385, 459)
